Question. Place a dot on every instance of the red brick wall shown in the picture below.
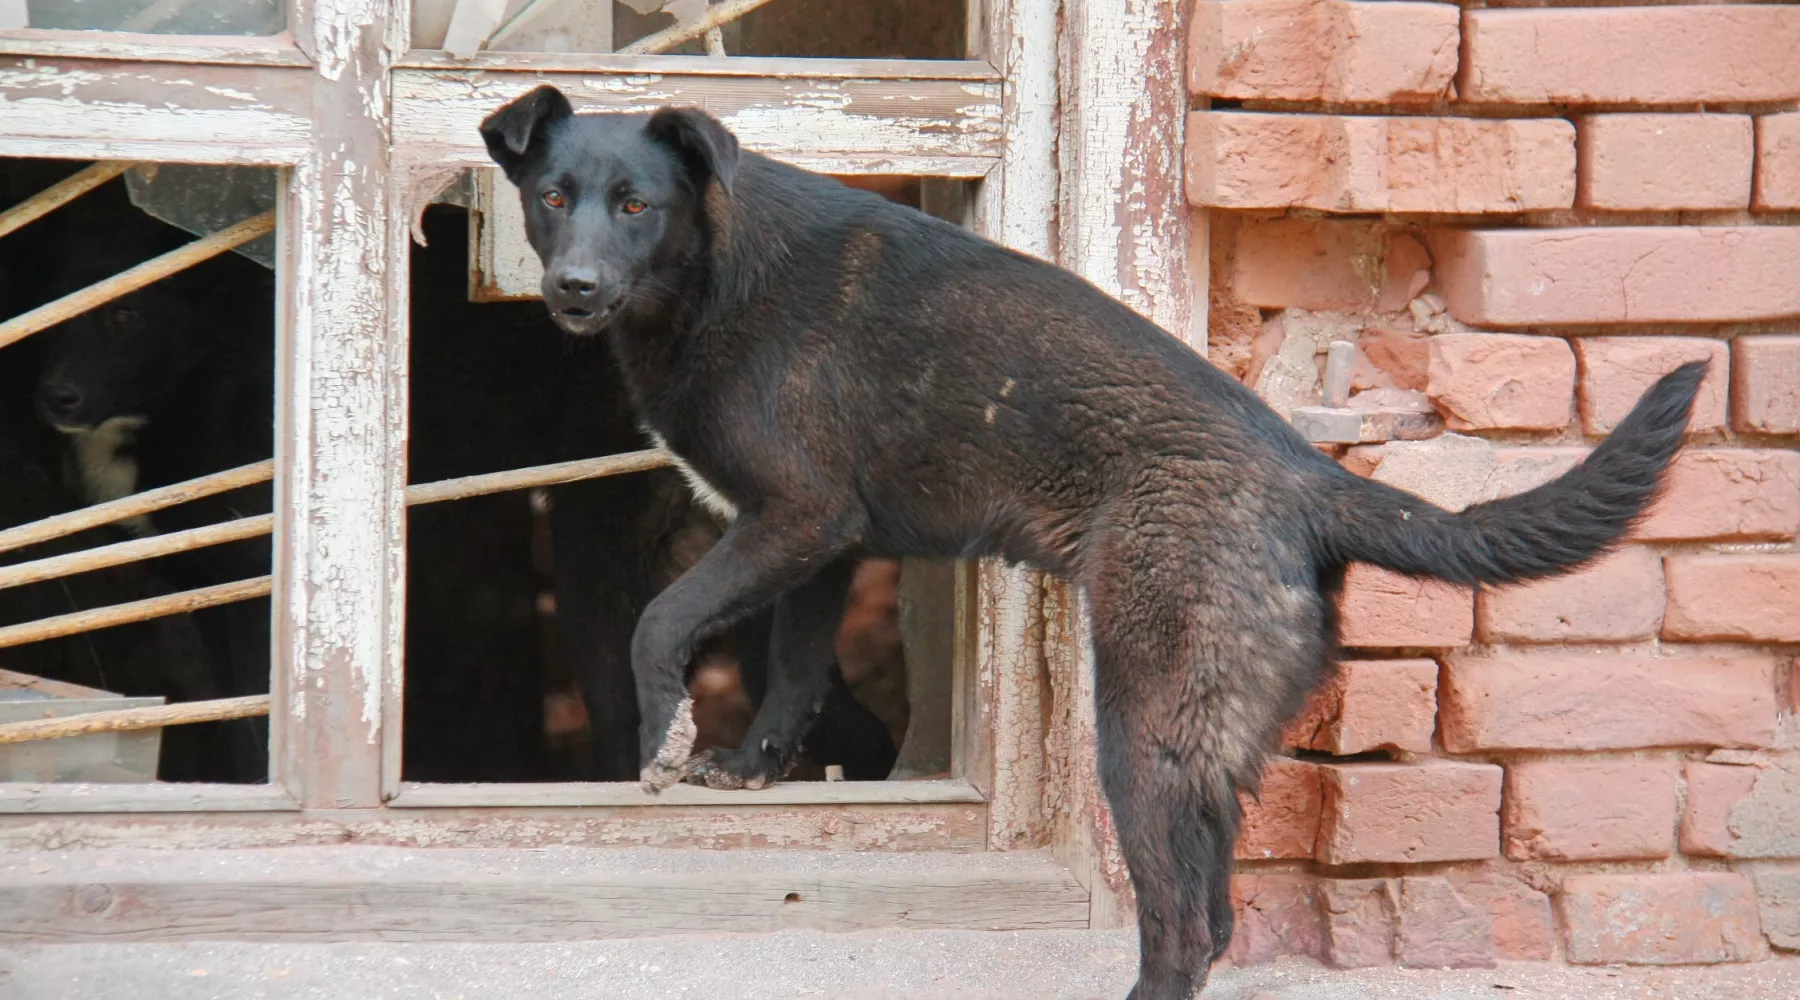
(1521, 215)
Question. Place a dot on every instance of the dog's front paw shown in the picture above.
(747, 767)
(669, 760)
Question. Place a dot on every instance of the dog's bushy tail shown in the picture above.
(1541, 532)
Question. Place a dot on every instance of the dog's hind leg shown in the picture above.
(1196, 667)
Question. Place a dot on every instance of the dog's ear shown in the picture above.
(509, 132)
(703, 142)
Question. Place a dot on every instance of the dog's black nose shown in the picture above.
(581, 282)
(59, 400)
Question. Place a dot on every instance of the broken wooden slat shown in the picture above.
(135, 611)
(126, 282)
(127, 719)
(61, 193)
(448, 894)
(678, 33)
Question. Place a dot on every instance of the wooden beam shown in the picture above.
(351, 893)
(339, 558)
(715, 16)
(203, 50)
(95, 109)
(581, 793)
(240, 821)
(925, 124)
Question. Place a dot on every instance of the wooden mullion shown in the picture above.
(340, 484)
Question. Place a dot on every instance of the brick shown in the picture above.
(1569, 701)
(1617, 371)
(1340, 163)
(1499, 381)
(1666, 162)
(1323, 51)
(1474, 165)
(1519, 469)
(1727, 494)
(1619, 274)
(1675, 919)
(1277, 917)
(1391, 356)
(1373, 812)
(1331, 163)
(1521, 923)
(1590, 810)
(1619, 598)
(1439, 929)
(1597, 55)
(1359, 921)
(1777, 186)
(1765, 384)
(1380, 609)
(1369, 705)
(1778, 897)
(1306, 264)
(1743, 811)
(1284, 821)
(1448, 470)
(1733, 597)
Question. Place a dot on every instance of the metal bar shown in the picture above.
(135, 505)
(127, 719)
(59, 194)
(674, 35)
(126, 282)
(136, 611)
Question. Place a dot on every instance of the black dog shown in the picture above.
(846, 375)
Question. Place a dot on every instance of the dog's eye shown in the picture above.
(633, 206)
(121, 316)
(554, 199)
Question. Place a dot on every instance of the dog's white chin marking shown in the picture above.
(107, 473)
(703, 491)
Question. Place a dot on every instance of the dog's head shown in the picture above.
(122, 359)
(613, 203)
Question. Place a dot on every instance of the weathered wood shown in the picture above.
(135, 611)
(360, 893)
(128, 719)
(675, 34)
(205, 50)
(135, 505)
(928, 633)
(946, 125)
(1082, 834)
(88, 109)
(59, 194)
(339, 557)
(948, 826)
(571, 794)
(125, 282)
(71, 797)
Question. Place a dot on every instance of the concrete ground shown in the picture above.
(915, 965)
